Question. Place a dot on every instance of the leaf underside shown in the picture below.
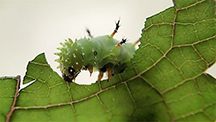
(166, 79)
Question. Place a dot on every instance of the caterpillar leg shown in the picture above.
(100, 76)
(116, 29)
(90, 69)
(110, 72)
(89, 33)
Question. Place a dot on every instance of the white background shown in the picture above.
(30, 27)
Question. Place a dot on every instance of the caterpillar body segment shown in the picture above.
(103, 52)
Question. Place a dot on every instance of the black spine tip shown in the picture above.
(117, 25)
(123, 41)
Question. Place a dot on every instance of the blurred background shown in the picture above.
(30, 27)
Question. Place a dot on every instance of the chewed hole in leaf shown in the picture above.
(85, 78)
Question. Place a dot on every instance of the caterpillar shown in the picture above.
(103, 52)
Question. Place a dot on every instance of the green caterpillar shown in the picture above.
(103, 52)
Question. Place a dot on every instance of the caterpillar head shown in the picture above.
(70, 60)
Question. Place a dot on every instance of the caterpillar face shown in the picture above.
(70, 60)
(70, 74)
(103, 52)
